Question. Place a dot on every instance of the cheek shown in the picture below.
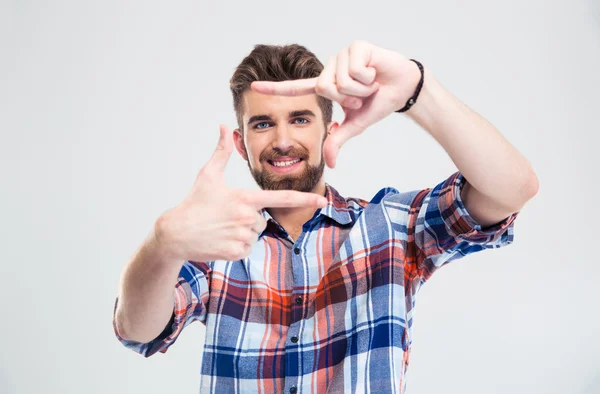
(253, 159)
(320, 143)
(253, 152)
(316, 151)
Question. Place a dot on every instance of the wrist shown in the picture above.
(161, 242)
(427, 98)
(413, 78)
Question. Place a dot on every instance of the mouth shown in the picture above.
(285, 165)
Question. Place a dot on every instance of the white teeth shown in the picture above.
(285, 163)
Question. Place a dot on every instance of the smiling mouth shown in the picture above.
(284, 163)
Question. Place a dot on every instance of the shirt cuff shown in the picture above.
(183, 308)
(460, 223)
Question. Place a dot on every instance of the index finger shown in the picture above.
(284, 199)
(296, 87)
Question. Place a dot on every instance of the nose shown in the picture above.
(283, 138)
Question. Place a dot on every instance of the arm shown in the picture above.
(371, 83)
(500, 179)
(437, 229)
(146, 294)
(169, 275)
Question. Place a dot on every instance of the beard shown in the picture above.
(305, 181)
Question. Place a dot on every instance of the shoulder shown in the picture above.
(390, 195)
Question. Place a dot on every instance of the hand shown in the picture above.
(367, 81)
(215, 222)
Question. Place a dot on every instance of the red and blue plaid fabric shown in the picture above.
(331, 311)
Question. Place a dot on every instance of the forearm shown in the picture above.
(486, 159)
(146, 296)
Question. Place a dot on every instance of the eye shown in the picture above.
(304, 120)
(258, 125)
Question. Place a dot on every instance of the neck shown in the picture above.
(292, 219)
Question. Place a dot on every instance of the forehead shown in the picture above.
(277, 106)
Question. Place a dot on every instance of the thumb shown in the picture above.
(220, 157)
(337, 138)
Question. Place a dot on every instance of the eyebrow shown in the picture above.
(292, 114)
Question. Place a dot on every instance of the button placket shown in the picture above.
(296, 304)
(298, 275)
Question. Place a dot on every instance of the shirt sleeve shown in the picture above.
(441, 230)
(191, 298)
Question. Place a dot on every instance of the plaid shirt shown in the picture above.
(331, 311)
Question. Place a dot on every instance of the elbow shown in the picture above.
(532, 186)
(526, 191)
(121, 328)
(126, 332)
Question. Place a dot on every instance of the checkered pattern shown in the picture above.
(331, 311)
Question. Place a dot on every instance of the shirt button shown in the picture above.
(298, 300)
(293, 390)
(297, 250)
(294, 339)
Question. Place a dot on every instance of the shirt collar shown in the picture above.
(337, 208)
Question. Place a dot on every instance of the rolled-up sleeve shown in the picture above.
(190, 304)
(443, 230)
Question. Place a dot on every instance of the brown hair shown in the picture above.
(276, 63)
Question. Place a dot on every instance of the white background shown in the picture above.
(109, 109)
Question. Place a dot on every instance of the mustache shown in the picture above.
(277, 153)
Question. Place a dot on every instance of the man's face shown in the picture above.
(282, 141)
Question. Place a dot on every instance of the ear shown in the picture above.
(332, 127)
(238, 140)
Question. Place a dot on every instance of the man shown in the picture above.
(303, 290)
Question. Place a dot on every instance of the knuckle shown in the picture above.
(201, 173)
(239, 250)
(343, 84)
(240, 234)
(207, 171)
(321, 87)
(245, 217)
(262, 224)
(252, 238)
(341, 80)
(236, 251)
(354, 70)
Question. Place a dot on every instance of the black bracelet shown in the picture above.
(411, 101)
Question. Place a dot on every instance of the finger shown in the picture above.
(346, 84)
(222, 153)
(284, 199)
(336, 139)
(246, 236)
(297, 87)
(359, 59)
(326, 86)
(239, 250)
(330, 152)
(260, 224)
